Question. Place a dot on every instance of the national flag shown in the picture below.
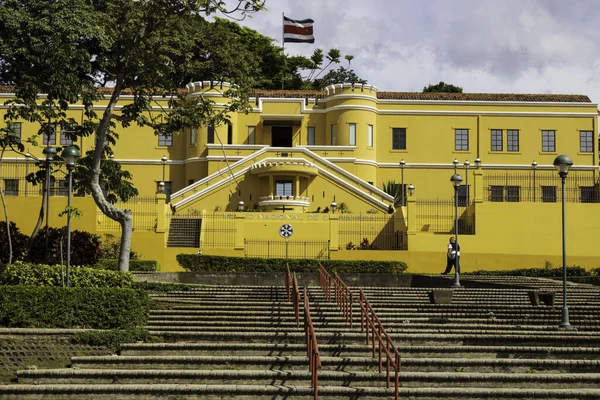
(298, 30)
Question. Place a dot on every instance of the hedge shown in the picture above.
(112, 264)
(574, 270)
(21, 273)
(204, 263)
(114, 338)
(164, 287)
(58, 307)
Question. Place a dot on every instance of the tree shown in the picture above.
(69, 49)
(442, 87)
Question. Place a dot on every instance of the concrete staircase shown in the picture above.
(243, 342)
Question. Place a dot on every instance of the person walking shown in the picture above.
(452, 256)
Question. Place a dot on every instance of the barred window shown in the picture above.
(549, 194)
(16, 127)
(399, 138)
(463, 196)
(50, 135)
(66, 134)
(497, 193)
(512, 140)
(352, 134)
(283, 188)
(63, 187)
(586, 141)
(311, 135)
(549, 141)
(11, 187)
(513, 194)
(497, 140)
(210, 134)
(165, 139)
(589, 194)
(510, 194)
(461, 139)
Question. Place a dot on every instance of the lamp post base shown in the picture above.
(564, 322)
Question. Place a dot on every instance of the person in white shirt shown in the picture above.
(452, 256)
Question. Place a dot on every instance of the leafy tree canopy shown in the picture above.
(442, 87)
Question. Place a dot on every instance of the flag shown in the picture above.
(298, 30)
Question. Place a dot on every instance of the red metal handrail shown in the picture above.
(312, 348)
(370, 320)
(296, 299)
(288, 279)
(343, 297)
(325, 281)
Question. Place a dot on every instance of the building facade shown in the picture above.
(302, 174)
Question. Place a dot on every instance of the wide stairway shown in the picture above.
(244, 342)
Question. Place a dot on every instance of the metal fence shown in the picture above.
(541, 186)
(143, 214)
(305, 249)
(438, 216)
(372, 231)
(218, 230)
(14, 183)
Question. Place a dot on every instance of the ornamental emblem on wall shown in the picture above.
(286, 231)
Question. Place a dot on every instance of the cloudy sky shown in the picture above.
(500, 46)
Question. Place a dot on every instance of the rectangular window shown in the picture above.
(463, 192)
(50, 134)
(549, 194)
(311, 135)
(229, 134)
(165, 139)
(11, 187)
(251, 135)
(334, 135)
(513, 194)
(16, 127)
(497, 193)
(352, 132)
(283, 188)
(512, 140)
(63, 187)
(588, 194)
(398, 138)
(370, 136)
(497, 144)
(210, 134)
(461, 139)
(67, 131)
(193, 136)
(548, 141)
(586, 141)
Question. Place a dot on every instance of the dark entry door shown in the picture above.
(281, 136)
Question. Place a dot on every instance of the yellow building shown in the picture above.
(311, 165)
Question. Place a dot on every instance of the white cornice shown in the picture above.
(236, 146)
(327, 148)
(489, 113)
(488, 103)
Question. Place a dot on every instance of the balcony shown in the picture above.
(295, 167)
(284, 203)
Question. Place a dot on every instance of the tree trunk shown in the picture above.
(40, 220)
(6, 213)
(123, 217)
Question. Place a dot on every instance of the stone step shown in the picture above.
(275, 392)
(282, 377)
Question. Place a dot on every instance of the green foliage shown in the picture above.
(52, 275)
(204, 263)
(85, 247)
(114, 338)
(364, 245)
(544, 272)
(19, 242)
(442, 87)
(163, 287)
(112, 264)
(109, 247)
(340, 75)
(393, 189)
(57, 307)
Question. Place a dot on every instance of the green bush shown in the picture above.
(551, 272)
(204, 263)
(85, 247)
(19, 243)
(163, 287)
(112, 264)
(52, 275)
(113, 339)
(58, 307)
(110, 247)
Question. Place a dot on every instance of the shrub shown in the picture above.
(134, 265)
(545, 272)
(204, 263)
(85, 247)
(19, 243)
(114, 338)
(110, 247)
(52, 275)
(58, 307)
(163, 287)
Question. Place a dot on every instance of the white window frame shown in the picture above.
(310, 140)
(547, 135)
(251, 134)
(352, 134)
(370, 136)
(52, 136)
(193, 132)
(165, 140)
(17, 127)
(586, 141)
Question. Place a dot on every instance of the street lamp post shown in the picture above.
(163, 159)
(70, 154)
(534, 168)
(402, 164)
(563, 163)
(411, 190)
(478, 163)
(455, 162)
(333, 206)
(240, 205)
(456, 180)
(49, 152)
(466, 164)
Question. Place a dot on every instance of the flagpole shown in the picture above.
(283, 45)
